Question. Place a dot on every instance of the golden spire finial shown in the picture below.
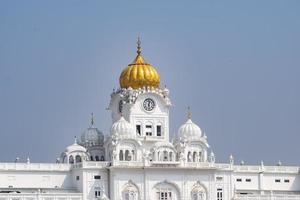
(92, 119)
(139, 48)
(189, 112)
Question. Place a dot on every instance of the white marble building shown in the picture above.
(138, 160)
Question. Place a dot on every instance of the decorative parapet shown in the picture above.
(266, 169)
(128, 164)
(165, 163)
(51, 166)
(41, 196)
(102, 164)
(91, 165)
(267, 197)
(35, 166)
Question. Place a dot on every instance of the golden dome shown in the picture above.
(139, 74)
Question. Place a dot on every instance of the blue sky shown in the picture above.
(235, 63)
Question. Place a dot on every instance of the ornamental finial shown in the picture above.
(189, 112)
(75, 140)
(139, 48)
(92, 119)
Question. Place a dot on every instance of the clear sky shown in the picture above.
(235, 63)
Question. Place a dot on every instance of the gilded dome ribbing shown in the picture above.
(139, 74)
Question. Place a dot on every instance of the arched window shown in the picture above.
(92, 158)
(102, 158)
(200, 156)
(195, 156)
(127, 155)
(63, 159)
(132, 155)
(121, 155)
(97, 158)
(189, 157)
(171, 156)
(71, 159)
(138, 128)
(159, 130)
(165, 156)
(148, 129)
(78, 159)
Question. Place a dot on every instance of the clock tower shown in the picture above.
(142, 102)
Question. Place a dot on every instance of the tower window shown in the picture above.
(219, 194)
(248, 180)
(121, 157)
(138, 129)
(286, 180)
(97, 193)
(77, 178)
(238, 180)
(97, 177)
(165, 156)
(102, 158)
(158, 130)
(97, 158)
(277, 180)
(148, 130)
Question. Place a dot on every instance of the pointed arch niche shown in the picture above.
(199, 192)
(130, 191)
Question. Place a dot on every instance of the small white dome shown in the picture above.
(122, 128)
(189, 129)
(75, 147)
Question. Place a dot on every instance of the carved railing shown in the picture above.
(91, 164)
(128, 163)
(41, 196)
(103, 164)
(268, 197)
(35, 166)
(259, 168)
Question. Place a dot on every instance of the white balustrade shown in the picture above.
(35, 166)
(41, 196)
(268, 197)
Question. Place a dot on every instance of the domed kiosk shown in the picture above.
(93, 139)
(74, 153)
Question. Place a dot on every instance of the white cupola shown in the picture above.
(74, 153)
(122, 129)
(189, 129)
(75, 148)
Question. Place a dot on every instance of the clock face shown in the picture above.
(149, 104)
